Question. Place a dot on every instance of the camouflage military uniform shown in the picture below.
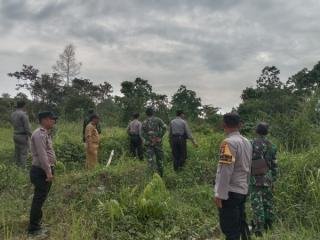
(153, 129)
(263, 175)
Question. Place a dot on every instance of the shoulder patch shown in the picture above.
(226, 156)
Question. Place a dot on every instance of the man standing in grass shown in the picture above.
(92, 142)
(179, 132)
(22, 133)
(135, 133)
(42, 170)
(86, 121)
(153, 130)
(263, 176)
(232, 179)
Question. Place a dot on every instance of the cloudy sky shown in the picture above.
(215, 47)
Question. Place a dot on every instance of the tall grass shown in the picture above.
(122, 202)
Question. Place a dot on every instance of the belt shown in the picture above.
(177, 135)
(21, 133)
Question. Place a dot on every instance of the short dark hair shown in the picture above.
(21, 104)
(262, 128)
(90, 111)
(149, 111)
(46, 114)
(94, 116)
(179, 112)
(232, 119)
(135, 115)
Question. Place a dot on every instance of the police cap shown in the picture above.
(46, 114)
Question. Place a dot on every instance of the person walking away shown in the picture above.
(42, 169)
(135, 134)
(92, 142)
(263, 175)
(232, 179)
(179, 132)
(153, 130)
(21, 134)
(86, 121)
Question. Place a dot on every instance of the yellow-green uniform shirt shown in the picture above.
(91, 134)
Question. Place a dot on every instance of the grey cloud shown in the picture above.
(210, 45)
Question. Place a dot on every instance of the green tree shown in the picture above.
(136, 96)
(186, 100)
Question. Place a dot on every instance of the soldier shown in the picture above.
(232, 179)
(92, 142)
(153, 130)
(179, 132)
(135, 133)
(42, 170)
(22, 134)
(263, 176)
(86, 121)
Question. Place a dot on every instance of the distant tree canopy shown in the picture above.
(186, 100)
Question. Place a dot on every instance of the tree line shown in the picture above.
(290, 107)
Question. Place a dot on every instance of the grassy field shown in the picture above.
(123, 202)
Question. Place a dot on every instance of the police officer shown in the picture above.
(92, 142)
(42, 170)
(263, 176)
(135, 134)
(231, 184)
(22, 133)
(179, 132)
(86, 121)
(153, 130)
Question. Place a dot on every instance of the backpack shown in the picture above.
(260, 165)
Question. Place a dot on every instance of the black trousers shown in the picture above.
(179, 151)
(41, 190)
(136, 148)
(233, 218)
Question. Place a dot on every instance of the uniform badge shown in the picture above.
(226, 156)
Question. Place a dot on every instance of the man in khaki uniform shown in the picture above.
(21, 134)
(232, 179)
(92, 142)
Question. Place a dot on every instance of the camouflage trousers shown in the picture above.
(262, 206)
(155, 158)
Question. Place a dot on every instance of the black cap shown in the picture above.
(46, 114)
(149, 111)
(93, 116)
(262, 128)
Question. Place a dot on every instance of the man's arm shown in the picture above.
(88, 134)
(26, 125)
(274, 164)
(163, 128)
(189, 134)
(224, 172)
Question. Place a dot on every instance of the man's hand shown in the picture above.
(49, 177)
(218, 202)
